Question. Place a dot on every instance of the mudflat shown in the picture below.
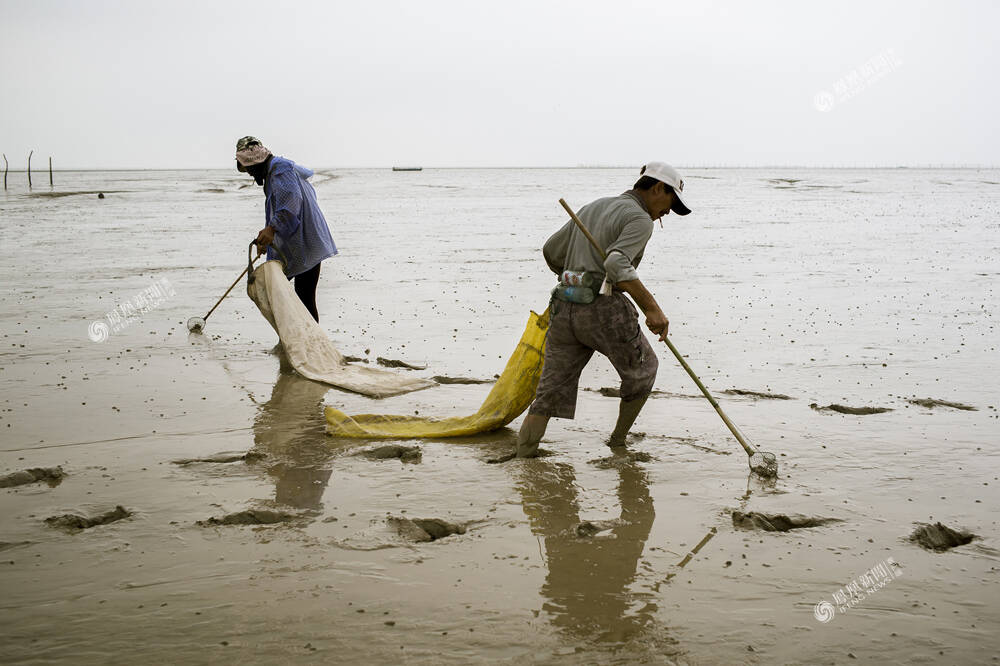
(251, 535)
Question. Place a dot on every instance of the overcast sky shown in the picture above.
(512, 83)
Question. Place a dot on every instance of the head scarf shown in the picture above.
(250, 151)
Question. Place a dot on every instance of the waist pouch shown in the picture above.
(573, 294)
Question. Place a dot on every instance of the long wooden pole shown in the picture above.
(29, 168)
(725, 419)
(4, 171)
(50, 171)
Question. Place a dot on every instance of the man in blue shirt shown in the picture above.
(295, 225)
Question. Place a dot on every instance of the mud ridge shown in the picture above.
(758, 394)
(51, 475)
(931, 403)
(441, 379)
(778, 522)
(393, 363)
(843, 409)
(939, 537)
(250, 517)
(73, 522)
(424, 529)
(224, 457)
(407, 454)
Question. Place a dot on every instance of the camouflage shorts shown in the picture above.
(609, 325)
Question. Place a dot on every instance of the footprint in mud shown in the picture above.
(778, 522)
(423, 529)
(51, 475)
(758, 394)
(939, 538)
(75, 522)
(407, 454)
(250, 517)
(842, 409)
(931, 403)
(224, 457)
(619, 460)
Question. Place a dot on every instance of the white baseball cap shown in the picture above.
(668, 175)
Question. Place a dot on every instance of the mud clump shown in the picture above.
(759, 394)
(931, 403)
(407, 454)
(591, 528)
(620, 460)
(843, 409)
(250, 456)
(424, 529)
(393, 363)
(250, 517)
(776, 522)
(355, 359)
(939, 538)
(51, 475)
(74, 522)
(441, 379)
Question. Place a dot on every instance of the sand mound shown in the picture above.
(52, 475)
(621, 460)
(410, 454)
(224, 457)
(73, 522)
(931, 403)
(758, 394)
(250, 517)
(939, 538)
(424, 529)
(441, 379)
(843, 409)
(778, 522)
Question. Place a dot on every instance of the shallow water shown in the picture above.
(862, 288)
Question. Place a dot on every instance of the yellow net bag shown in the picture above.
(510, 396)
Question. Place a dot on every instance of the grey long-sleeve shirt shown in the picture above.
(622, 227)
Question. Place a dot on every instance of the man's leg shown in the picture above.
(531, 433)
(628, 410)
(555, 396)
(621, 340)
(305, 287)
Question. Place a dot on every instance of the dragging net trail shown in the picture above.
(511, 395)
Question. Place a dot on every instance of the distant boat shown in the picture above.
(407, 168)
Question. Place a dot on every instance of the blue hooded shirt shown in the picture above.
(301, 233)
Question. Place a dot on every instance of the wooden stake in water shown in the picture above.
(5, 171)
(50, 172)
(29, 168)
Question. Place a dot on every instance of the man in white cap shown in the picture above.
(609, 324)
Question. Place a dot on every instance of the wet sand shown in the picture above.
(863, 289)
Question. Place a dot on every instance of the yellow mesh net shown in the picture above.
(510, 396)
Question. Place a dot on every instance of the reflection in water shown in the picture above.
(290, 429)
(588, 579)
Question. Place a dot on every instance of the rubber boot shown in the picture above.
(532, 430)
(627, 413)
